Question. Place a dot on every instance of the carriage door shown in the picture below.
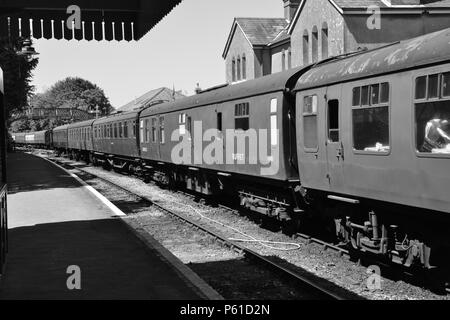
(333, 141)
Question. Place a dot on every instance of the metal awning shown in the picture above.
(99, 19)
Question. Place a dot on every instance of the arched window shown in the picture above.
(315, 44)
(324, 40)
(238, 68)
(305, 47)
(233, 70)
(244, 67)
(289, 58)
(283, 61)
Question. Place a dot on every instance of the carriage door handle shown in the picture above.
(340, 151)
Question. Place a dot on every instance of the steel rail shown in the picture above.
(300, 279)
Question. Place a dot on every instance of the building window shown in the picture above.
(305, 47)
(238, 68)
(241, 116)
(315, 45)
(371, 118)
(283, 61)
(324, 40)
(244, 67)
(233, 70)
(162, 136)
(432, 114)
(310, 122)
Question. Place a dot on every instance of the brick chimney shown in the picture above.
(290, 7)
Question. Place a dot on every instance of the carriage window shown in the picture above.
(446, 84)
(432, 116)
(182, 123)
(162, 137)
(310, 122)
(273, 122)
(333, 120)
(134, 129)
(433, 86)
(147, 130)
(120, 130)
(142, 131)
(356, 101)
(421, 87)
(154, 130)
(365, 95)
(125, 129)
(384, 95)
(242, 116)
(374, 93)
(189, 127)
(219, 121)
(371, 120)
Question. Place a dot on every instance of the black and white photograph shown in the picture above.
(225, 159)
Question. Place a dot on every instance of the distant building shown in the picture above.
(313, 30)
(153, 96)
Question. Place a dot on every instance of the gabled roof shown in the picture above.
(386, 6)
(258, 31)
(165, 94)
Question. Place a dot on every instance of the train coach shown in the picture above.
(239, 139)
(36, 139)
(373, 142)
(60, 139)
(361, 142)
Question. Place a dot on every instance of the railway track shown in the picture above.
(310, 283)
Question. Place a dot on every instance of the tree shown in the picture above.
(17, 76)
(74, 93)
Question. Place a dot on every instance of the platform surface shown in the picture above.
(55, 223)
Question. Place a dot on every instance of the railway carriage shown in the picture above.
(115, 141)
(362, 126)
(80, 143)
(60, 139)
(18, 138)
(238, 139)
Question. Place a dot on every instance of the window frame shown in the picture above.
(387, 104)
(245, 115)
(440, 71)
(310, 114)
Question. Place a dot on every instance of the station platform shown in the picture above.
(54, 223)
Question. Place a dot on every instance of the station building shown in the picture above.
(313, 30)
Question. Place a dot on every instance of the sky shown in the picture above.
(182, 50)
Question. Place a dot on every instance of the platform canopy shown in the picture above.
(99, 19)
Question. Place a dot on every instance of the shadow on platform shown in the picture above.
(114, 264)
(29, 173)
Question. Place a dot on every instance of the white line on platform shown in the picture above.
(117, 212)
